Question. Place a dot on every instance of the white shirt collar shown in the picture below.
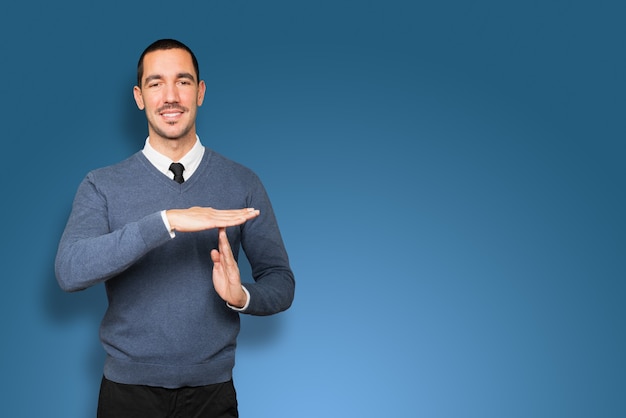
(190, 161)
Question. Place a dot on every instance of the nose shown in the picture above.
(171, 93)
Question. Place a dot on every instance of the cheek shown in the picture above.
(189, 99)
(150, 103)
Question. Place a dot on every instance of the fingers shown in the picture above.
(223, 255)
(226, 253)
(215, 218)
(227, 215)
(201, 218)
(226, 278)
(223, 244)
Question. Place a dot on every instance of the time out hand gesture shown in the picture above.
(226, 278)
(200, 218)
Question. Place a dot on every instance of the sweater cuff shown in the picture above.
(152, 230)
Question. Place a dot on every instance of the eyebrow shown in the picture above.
(160, 77)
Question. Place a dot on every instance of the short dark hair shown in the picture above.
(164, 44)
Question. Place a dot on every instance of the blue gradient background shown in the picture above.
(449, 179)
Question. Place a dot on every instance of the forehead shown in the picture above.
(167, 62)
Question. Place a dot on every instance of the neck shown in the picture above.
(175, 149)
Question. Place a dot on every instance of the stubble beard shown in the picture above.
(175, 135)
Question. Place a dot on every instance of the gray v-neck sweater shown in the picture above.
(165, 325)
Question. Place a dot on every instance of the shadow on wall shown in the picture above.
(133, 121)
(64, 308)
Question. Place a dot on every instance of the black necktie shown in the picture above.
(177, 169)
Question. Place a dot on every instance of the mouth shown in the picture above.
(171, 113)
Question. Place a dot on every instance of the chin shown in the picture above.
(172, 135)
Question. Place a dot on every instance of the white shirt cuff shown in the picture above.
(244, 306)
(167, 224)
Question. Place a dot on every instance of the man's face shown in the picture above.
(170, 94)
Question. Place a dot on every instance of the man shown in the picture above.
(164, 239)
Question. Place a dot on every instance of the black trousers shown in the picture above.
(135, 401)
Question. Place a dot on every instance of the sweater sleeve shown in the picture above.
(90, 252)
(274, 284)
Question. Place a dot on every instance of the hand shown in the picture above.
(200, 218)
(226, 278)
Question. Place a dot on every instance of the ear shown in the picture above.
(201, 91)
(138, 97)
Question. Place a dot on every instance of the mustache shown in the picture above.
(172, 107)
